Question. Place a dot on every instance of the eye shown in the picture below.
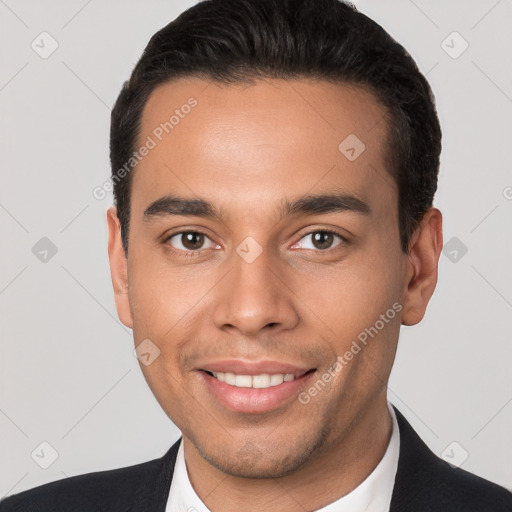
(190, 241)
(320, 240)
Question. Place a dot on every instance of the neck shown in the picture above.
(329, 476)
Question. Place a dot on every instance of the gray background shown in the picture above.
(68, 375)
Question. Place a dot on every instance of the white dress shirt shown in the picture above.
(371, 495)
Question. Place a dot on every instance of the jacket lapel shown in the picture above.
(418, 472)
(153, 491)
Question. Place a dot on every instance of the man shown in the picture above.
(274, 165)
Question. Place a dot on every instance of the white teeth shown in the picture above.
(275, 380)
(262, 381)
(243, 381)
(230, 378)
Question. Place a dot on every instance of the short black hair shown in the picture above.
(232, 41)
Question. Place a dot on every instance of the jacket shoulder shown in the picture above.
(111, 490)
(473, 492)
(429, 483)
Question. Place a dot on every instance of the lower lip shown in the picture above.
(253, 400)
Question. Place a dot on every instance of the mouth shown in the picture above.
(250, 390)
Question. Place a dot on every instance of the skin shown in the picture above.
(247, 149)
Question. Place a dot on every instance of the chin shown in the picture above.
(250, 462)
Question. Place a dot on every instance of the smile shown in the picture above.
(259, 393)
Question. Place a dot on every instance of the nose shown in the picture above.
(254, 297)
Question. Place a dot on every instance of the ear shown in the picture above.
(118, 267)
(421, 267)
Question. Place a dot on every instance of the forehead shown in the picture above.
(271, 138)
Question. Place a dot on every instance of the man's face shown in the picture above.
(273, 283)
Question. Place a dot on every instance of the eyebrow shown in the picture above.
(312, 204)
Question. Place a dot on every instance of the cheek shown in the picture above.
(158, 296)
(349, 297)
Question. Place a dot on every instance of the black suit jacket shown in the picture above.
(424, 483)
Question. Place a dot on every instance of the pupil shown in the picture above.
(322, 239)
(192, 240)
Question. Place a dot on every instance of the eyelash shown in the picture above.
(190, 254)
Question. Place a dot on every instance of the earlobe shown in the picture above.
(118, 267)
(421, 275)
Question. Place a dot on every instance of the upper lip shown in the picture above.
(241, 367)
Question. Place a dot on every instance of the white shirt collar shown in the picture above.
(371, 495)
